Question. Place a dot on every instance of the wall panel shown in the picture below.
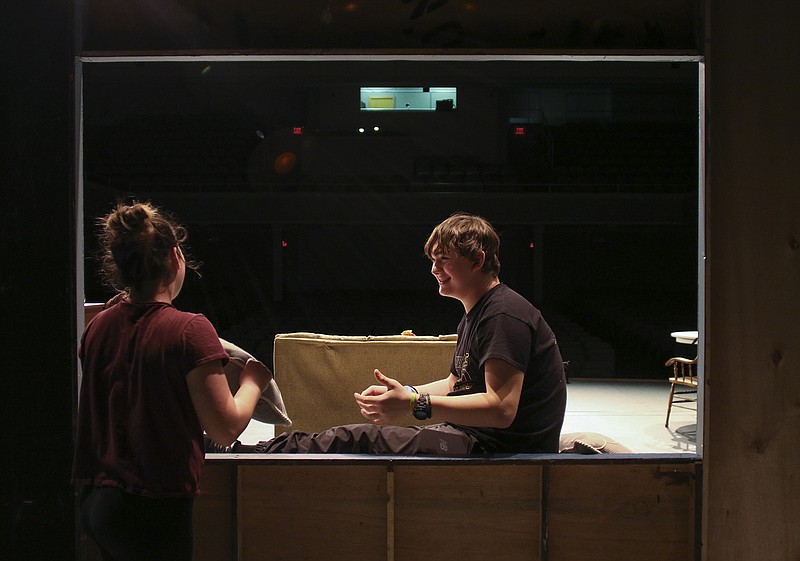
(323, 511)
(621, 512)
(467, 512)
(530, 507)
(215, 514)
(752, 410)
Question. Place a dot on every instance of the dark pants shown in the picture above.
(439, 440)
(133, 528)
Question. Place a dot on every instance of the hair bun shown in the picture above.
(135, 218)
(136, 241)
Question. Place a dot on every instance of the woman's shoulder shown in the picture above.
(194, 319)
(166, 314)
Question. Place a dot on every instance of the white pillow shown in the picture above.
(270, 408)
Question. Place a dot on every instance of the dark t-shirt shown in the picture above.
(137, 428)
(504, 325)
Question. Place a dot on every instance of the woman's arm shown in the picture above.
(224, 416)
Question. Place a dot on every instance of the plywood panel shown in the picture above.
(214, 525)
(311, 512)
(467, 512)
(752, 410)
(621, 512)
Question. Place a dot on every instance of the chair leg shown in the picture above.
(669, 403)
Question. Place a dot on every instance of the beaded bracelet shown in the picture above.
(414, 394)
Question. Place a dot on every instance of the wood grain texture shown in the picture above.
(467, 512)
(621, 512)
(328, 512)
(214, 514)
(752, 393)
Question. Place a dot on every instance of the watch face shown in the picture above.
(422, 409)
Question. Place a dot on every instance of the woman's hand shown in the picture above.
(255, 373)
(385, 404)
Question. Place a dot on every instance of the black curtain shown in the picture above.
(37, 280)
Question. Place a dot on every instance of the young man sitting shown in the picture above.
(506, 389)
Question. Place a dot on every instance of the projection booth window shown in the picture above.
(421, 98)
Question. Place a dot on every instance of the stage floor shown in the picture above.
(631, 412)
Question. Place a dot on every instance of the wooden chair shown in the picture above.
(685, 376)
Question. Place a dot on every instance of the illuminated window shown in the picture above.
(386, 98)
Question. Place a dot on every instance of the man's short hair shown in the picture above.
(467, 235)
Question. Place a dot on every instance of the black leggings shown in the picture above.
(131, 527)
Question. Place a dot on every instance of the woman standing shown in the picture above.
(153, 381)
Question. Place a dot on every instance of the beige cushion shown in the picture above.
(320, 373)
(590, 443)
(270, 408)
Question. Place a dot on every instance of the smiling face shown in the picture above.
(464, 250)
(458, 276)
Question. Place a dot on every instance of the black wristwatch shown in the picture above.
(422, 409)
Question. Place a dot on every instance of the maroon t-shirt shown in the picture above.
(137, 428)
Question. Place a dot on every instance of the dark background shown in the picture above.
(38, 289)
(596, 203)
